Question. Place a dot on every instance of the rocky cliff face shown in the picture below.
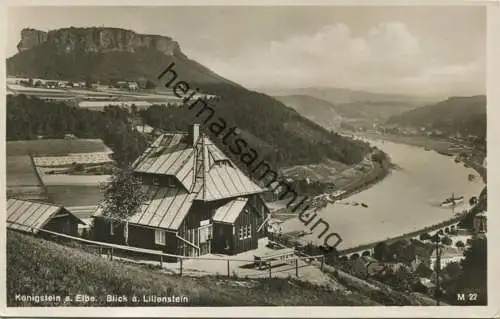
(97, 40)
(31, 38)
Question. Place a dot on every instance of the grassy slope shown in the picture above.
(39, 267)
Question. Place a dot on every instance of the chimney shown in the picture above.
(195, 133)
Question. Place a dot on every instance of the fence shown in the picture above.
(193, 266)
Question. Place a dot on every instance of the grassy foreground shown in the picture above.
(36, 267)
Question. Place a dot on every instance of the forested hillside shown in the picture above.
(464, 115)
(28, 118)
(279, 134)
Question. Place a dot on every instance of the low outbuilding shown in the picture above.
(32, 217)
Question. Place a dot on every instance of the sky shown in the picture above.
(424, 51)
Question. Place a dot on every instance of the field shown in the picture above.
(21, 172)
(68, 160)
(39, 267)
(70, 195)
(36, 193)
(54, 147)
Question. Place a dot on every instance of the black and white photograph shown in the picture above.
(246, 156)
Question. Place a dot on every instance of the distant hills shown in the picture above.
(317, 110)
(280, 135)
(348, 104)
(341, 96)
(464, 115)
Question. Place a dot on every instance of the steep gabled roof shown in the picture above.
(165, 207)
(203, 169)
(205, 172)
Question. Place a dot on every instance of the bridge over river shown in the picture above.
(368, 249)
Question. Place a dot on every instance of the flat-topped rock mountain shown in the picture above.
(97, 40)
(102, 54)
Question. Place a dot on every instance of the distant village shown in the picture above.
(96, 95)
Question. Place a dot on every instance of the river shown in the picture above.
(406, 200)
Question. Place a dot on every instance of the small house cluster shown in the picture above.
(127, 85)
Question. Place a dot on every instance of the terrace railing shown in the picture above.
(236, 267)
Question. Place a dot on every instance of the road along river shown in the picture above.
(408, 199)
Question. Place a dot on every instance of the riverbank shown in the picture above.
(441, 146)
(377, 172)
(406, 200)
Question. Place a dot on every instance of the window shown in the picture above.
(205, 231)
(140, 179)
(245, 232)
(156, 180)
(171, 182)
(160, 237)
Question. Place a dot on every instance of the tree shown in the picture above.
(133, 109)
(382, 252)
(150, 85)
(78, 167)
(452, 270)
(473, 201)
(450, 275)
(446, 240)
(123, 196)
(88, 82)
(460, 244)
(425, 236)
(473, 278)
(401, 279)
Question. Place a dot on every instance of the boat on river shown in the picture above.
(451, 201)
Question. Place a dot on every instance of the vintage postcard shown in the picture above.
(282, 160)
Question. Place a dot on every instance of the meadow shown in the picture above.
(72, 195)
(21, 172)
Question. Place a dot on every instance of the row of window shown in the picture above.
(245, 232)
(205, 234)
(156, 181)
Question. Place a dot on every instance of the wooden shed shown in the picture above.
(30, 216)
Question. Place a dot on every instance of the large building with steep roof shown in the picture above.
(199, 202)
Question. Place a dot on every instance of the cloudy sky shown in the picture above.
(410, 50)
